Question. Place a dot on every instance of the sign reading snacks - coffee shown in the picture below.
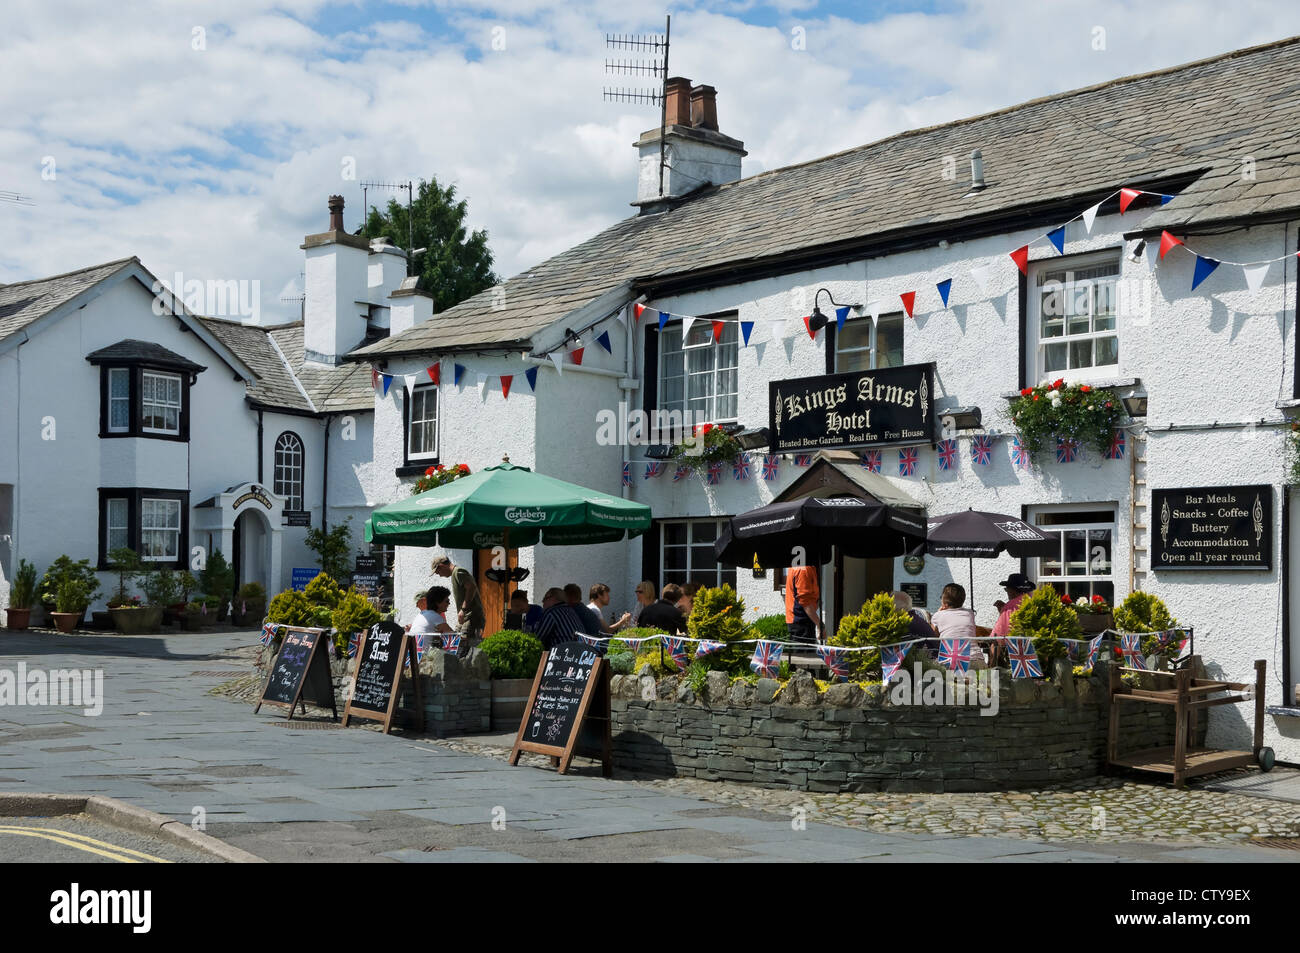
(889, 405)
(1221, 527)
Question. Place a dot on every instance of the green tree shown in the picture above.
(332, 546)
(457, 263)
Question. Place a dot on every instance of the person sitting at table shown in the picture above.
(645, 596)
(664, 614)
(1017, 587)
(564, 617)
(432, 617)
(917, 627)
(523, 616)
(600, 599)
(952, 621)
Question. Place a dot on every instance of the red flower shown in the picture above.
(1097, 599)
(439, 468)
(1065, 597)
(1059, 383)
(1035, 397)
(429, 472)
(1085, 388)
(1026, 392)
(1109, 405)
(462, 467)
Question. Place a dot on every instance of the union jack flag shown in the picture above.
(653, 470)
(871, 460)
(1130, 649)
(681, 473)
(676, 646)
(451, 643)
(907, 461)
(836, 659)
(767, 658)
(981, 450)
(707, 647)
(1169, 636)
(627, 474)
(1072, 649)
(1024, 660)
(715, 472)
(1116, 449)
(947, 454)
(354, 643)
(1094, 646)
(269, 632)
(590, 639)
(633, 645)
(1066, 450)
(771, 462)
(891, 659)
(1019, 455)
(740, 468)
(955, 654)
(419, 646)
(803, 459)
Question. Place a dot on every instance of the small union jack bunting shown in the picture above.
(634, 645)
(1116, 449)
(681, 473)
(1094, 646)
(706, 647)
(955, 654)
(451, 642)
(715, 472)
(803, 459)
(891, 659)
(907, 461)
(771, 463)
(740, 467)
(836, 659)
(653, 470)
(1019, 455)
(981, 450)
(871, 460)
(589, 639)
(947, 454)
(1170, 636)
(1130, 650)
(676, 648)
(269, 632)
(354, 643)
(419, 646)
(766, 660)
(1066, 450)
(1023, 658)
(627, 474)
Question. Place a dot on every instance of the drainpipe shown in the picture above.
(325, 477)
(627, 384)
(259, 447)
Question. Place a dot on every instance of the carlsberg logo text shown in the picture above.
(525, 516)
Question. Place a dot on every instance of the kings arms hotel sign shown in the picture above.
(876, 408)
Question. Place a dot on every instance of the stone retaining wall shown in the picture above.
(847, 739)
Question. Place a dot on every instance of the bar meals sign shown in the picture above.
(1220, 527)
(889, 405)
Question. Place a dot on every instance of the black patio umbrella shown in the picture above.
(775, 534)
(978, 535)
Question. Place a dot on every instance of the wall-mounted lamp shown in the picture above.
(754, 439)
(1136, 405)
(817, 320)
(1139, 247)
(962, 418)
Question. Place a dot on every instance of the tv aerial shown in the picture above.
(648, 58)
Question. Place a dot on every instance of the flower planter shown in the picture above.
(173, 614)
(66, 621)
(137, 621)
(18, 618)
(250, 619)
(101, 621)
(1094, 622)
(509, 699)
(192, 621)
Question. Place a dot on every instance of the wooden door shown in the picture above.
(495, 595)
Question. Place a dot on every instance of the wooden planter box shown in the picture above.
(137, 621)
(509, 699)
(1094, 622)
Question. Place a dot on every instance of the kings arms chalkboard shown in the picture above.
(301, 671)
(384, 651)
(571, 688)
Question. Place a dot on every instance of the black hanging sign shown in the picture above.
(1222, 527)
(570, 691)
(384, 651)
(889, 405)
(301, 671)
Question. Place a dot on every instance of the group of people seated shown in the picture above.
(562, 612)
(953, 621)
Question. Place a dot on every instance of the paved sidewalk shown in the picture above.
(322, 793)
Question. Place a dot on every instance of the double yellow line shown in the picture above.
(122, 855)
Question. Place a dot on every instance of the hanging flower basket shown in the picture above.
(710, 444)
(1075, 412)
(439, 475)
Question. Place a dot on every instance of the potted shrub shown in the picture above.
(21, 596)
(353, 613)
(513, 657)
(61, 570)
(217, 580)
(193, 616)
(1146, 613)
(1095, 614)
(174, 612)
(880, 622)
(250, 605)
(1046, 620)
(70, 602)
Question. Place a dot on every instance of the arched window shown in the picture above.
(288, 470)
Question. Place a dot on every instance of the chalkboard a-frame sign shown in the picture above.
(384, 651)
(568, 709)
(301, 670)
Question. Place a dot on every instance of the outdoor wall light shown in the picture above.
(1136, 405)
(817, 320)
(962, 418)
(754, 439)
(1139, 247)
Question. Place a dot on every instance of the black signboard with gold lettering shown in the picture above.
(1219, 527)
(889, 405)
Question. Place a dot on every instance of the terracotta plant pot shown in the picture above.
(19, 618)
(66, 621)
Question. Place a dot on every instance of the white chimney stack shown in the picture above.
(335, 310)
(408, 306)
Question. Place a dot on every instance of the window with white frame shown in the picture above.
(686, 553)
(160, 530)
(160, 402)
(863, 344)
(1072, 317)
(119, 399)
(1083, 567)
(697, 375)
(422, 424)
(288, 470)
(117, 523)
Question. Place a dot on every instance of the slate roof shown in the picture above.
(1199, 118)
(143, 351)
(275, 385)
(332, 389)
(23, 302)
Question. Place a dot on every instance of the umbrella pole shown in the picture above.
(971, 563)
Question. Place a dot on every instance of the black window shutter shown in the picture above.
(650, 369)
(1023, 309)
(650, 554)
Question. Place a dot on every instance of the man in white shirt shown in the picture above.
(429, 621)
(600, 599)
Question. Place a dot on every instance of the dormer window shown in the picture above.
(144, 390)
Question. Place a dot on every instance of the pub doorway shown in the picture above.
(854, 581)
(495, 595)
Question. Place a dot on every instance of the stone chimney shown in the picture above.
(407, 306)
(335, 310)
(696, 154)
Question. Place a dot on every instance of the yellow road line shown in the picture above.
(82, 842)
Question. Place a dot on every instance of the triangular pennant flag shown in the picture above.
(457, 372)
(603, 340)
(1057, 237)
(778, 329)
(874, 308)
(1204, 268)
(909, 301)
(388, 382)
(558, 360)
(1167, 242)
(1090, 216)
(807, 319)
(663, 319)
(480, 381)
(945, 288)
(374, 378)
(718, 328)
(1166, 199)
(637, 309)
(982, 274)
(1021, 257)
(1126, 198)
(505, 385)
(531, 376)
(687, 321)
(745, 328)
(622, 317)
(435, 372)
(576, 354)
(1255, 277)
(409, 381)
(840, 315)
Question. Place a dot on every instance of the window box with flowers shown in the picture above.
(439, 475)
(709, 443)
(1086, 415)
(1095, 615)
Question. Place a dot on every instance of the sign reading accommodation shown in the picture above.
(889, 405)
(1223, 527)
(571, 689)
(301, 671)
(384, 651)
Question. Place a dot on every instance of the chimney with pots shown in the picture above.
(335, 310)
(695, 153)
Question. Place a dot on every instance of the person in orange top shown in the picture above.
(802, 593)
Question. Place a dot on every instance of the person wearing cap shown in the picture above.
(469, 604)
(432, 608)
(1017, 586)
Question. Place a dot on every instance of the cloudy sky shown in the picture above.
(205, 137)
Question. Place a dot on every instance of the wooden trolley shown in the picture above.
(1188, 696)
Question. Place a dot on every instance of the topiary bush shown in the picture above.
(1145, 612)
(770, 627)
(513, 654)
(718, 615)
(354, 613)
(1043, 617)
(323, 591)
(880, 622)
(291, 608)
